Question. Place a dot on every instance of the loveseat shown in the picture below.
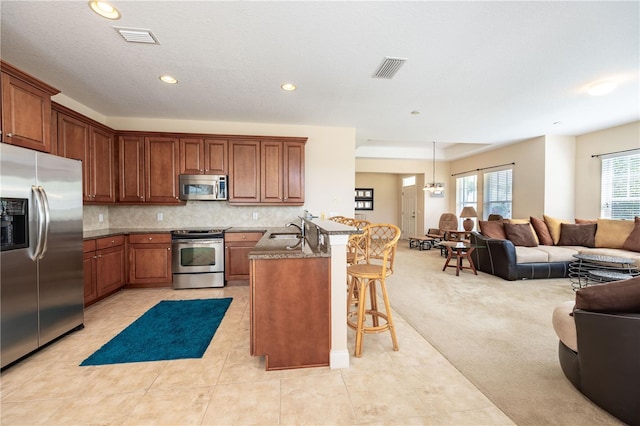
(544, 248)
(599, 345)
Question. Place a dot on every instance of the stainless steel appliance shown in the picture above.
(198, 258)
(203, 187)
(41, 285)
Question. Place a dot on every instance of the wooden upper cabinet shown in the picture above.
(191, 156)
(131, 169)
(101, 166)
(271, 171)
(79, 139)
(161, 169)
(282, 177)
(203, 156)
(26, 109)
(244, 172)
(293, 172)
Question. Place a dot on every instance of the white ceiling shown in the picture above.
(480, 73)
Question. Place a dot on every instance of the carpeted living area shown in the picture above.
(498, 333)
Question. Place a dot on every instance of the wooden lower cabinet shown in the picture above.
(237, 246)
(290, 319)
(104, 267)
(150, 260)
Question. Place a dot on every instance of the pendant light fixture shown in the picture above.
(436, 188)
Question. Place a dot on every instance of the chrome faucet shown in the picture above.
(301, 228)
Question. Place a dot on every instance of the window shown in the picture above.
(498, 193)
(620, 187)
(466, 193)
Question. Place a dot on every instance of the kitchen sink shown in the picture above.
(285, 235)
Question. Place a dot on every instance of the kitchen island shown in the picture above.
(298, 296)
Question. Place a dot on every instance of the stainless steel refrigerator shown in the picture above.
(41, 283)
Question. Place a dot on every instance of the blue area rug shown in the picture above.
(172, 329)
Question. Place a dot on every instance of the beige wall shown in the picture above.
(386, 196)
(620, 138)
(559, 177)
(429, 208)
(528, 175)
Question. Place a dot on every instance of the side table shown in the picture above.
(458, 250)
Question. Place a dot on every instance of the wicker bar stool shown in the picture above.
(362, 278)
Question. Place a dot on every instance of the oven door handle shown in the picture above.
(200, 241)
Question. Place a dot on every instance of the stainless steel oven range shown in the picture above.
(198, 258)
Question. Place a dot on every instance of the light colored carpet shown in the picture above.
(497, 333)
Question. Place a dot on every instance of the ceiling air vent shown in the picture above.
(389, 67)
(137, 35)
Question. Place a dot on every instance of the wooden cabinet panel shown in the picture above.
(215, 156)
(110, 270)
(290, 312)
(293, 172)
(236, 254)
(150, 260)
(100, 166)
(73, 142)
(160, 166)
(131, 169)
(26, 109)
(244, 172)
(90, 286)
(271, 172)
(191, 156)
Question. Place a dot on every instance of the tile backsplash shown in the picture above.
(195, 214)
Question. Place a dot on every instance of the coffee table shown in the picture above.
(599, 269)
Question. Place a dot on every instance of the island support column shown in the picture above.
(339, 355)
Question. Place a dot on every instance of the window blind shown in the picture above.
(498, 189)
(620, 186)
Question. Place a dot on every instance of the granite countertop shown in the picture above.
(110, 232)
(286, 248)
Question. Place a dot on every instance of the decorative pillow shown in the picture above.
(554, 227)
(533, 231)
(586, 221)
(520, 234)
(492, 229)
(618, 296)
(577, 235)
(633, 240)
(613, 233)
(544, 237)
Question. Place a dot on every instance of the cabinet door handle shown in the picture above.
(150, 238)
(168, 248)
(95, 257)
(9, 135)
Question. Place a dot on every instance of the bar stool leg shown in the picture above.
(361, 317)
(387, 306)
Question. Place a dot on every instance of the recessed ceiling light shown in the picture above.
(104, 9)
(289, 87)
(415, 112)
(168, 79)
(600, 88)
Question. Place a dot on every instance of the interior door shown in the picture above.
(408, 211)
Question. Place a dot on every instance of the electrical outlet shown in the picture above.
(255, 216)
(160, 217)
(100, 217)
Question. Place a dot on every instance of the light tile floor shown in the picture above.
(415, 385)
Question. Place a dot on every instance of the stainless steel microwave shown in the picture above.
(203, 187)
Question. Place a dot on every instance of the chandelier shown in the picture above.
(434, 187)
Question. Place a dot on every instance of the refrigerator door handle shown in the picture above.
(42, 206)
